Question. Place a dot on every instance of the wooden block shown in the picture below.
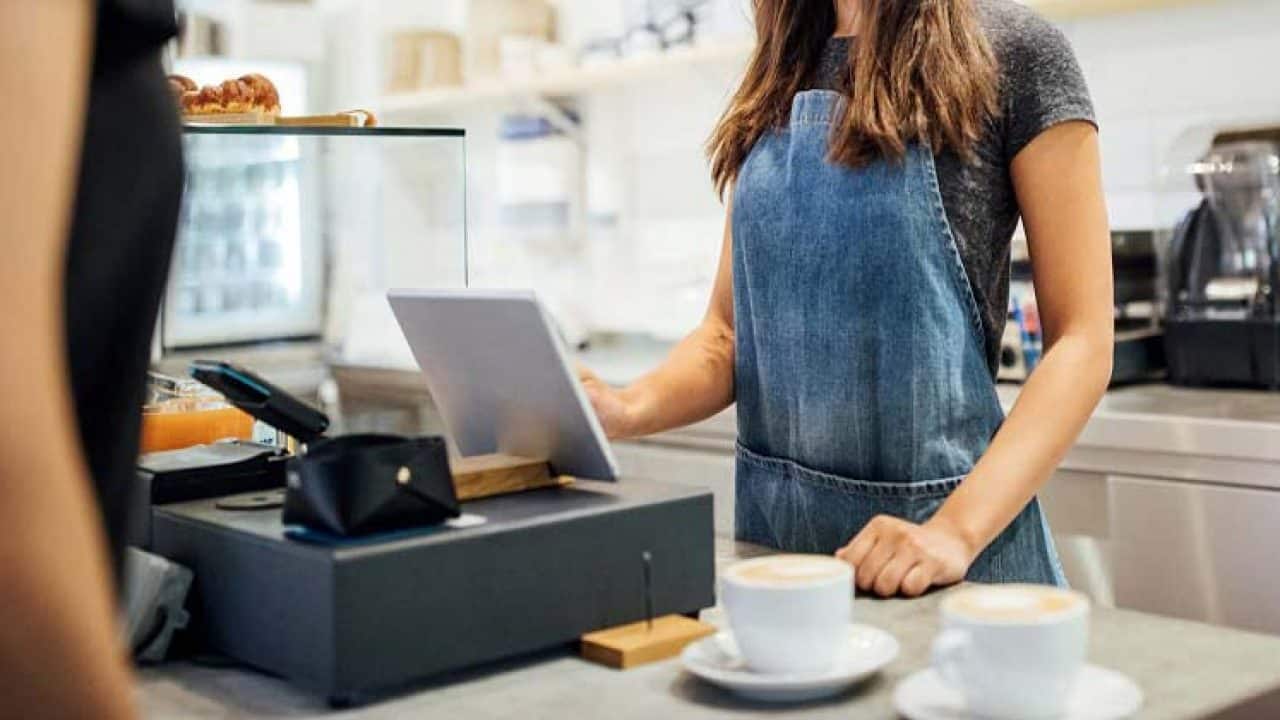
(249, 118)
(350, 118)
(484, 476)
(627, 646)
(354, 118)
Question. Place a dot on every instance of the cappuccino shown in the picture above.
(789, 613)
(1013, 651)
(789, 570)
(1013, 603)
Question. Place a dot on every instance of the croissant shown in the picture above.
(248, 93)
(181, 84)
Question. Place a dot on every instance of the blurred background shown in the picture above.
(585, 123)
(581, 173)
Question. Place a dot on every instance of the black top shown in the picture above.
(1041, 85)
(124, 221)
(129, 28)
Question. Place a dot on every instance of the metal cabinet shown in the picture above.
(1167, 546)
(1197, 551)
(1075, 503)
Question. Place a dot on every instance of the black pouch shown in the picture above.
(362, 484)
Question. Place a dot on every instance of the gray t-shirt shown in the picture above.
(1041, 85)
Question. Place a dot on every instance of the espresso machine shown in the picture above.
(1222, 318)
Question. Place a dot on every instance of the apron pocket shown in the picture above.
(785, 505)
(922, 489)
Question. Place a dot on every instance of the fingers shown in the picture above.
(869, 569)
(917, 580)
(890, 578)
(856, 551)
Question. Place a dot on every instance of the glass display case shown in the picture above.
(298, 232)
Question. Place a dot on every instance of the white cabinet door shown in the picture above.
(710, 470)
(1203, 552)
(1075, 503)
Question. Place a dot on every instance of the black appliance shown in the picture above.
(1139, 342)
(1222, 317)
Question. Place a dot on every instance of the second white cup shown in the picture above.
(1013, 651)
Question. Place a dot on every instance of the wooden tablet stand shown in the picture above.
(482, 476)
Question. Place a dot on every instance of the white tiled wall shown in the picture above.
(654, 225)
(1156, 75)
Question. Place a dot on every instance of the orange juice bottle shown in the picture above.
(170, 429)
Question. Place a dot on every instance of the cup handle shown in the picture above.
(948, 652)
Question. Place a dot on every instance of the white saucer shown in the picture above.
(716, 660)
(1100, 694)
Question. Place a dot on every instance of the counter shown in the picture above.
(1186, 670)
(1224, 437)
(1164, 482)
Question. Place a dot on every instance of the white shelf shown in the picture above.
(617, 73)
(1073, 9)
(570, 82)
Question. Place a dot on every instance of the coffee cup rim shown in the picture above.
(1082, 606)
(845, 574)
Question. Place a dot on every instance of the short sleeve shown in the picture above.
(1042, 84)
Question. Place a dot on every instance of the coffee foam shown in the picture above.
(1012, 602)
(788, 570)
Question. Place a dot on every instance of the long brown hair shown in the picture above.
(922, 70)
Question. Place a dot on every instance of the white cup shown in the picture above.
(1013, 651)
(789, 613)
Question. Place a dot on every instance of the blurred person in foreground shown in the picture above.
(89, 194)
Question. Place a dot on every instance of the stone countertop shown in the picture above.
(1186, 669)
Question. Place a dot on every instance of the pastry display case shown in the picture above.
(284, 230)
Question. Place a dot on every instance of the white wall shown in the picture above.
(654, 227)
(1157, 75)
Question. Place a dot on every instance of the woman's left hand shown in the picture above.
(892, 556)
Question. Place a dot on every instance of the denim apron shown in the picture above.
(861, 378)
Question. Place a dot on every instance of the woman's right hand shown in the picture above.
(609, 403)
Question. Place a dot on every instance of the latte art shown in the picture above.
(789, 570)
(1013, 602)
(789, 613)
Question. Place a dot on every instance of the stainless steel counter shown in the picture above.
(1220, 437)
(1186, 670)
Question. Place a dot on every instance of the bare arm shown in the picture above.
(1058, 181)
(59, 650)
(693, 383)
(1059, 186)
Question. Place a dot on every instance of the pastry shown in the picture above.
(246, 94)
(181, 84)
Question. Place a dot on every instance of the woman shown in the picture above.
(89, 193)
(876, 158)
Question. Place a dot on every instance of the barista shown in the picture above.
(89, 195)
(876, 159)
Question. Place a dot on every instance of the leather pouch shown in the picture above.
(362, 484)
